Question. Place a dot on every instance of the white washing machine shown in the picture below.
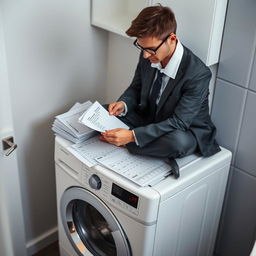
(103, 214)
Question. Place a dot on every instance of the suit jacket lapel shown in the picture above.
(148, 82)
(172, 83)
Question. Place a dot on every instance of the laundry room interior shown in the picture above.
(57, 57)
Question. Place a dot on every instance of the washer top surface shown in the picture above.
(192, 168)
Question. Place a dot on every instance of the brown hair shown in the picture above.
(156, 21)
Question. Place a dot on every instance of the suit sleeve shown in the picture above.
(188, 107)
(131, 95)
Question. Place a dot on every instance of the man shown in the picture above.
(166, 105)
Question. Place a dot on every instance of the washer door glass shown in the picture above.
(93, 229)
(91, 226)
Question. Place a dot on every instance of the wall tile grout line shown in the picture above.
(252, 60)
(235, 84)
(244, 172)
(240, 124)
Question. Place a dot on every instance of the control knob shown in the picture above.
(95, 182)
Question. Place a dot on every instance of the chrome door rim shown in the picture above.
(78, 193)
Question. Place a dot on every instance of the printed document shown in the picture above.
(88, 150)
(98, 118)
(142, 170)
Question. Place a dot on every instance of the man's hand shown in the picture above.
(116, 108)
(118, 137)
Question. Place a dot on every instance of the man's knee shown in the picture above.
(181, 142)
(180, 138)
(175, 144)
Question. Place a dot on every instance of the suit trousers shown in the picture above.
(175, 144)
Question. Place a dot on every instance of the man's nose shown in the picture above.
(146, 54)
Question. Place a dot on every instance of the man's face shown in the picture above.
(164, 52)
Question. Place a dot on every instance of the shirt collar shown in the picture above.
(172, 67)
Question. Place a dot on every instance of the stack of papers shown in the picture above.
(67, 125)
(141, 170)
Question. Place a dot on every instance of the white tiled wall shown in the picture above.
(229, 101)
(234, 112)
(239, 42)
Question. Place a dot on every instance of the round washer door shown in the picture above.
(91, 226)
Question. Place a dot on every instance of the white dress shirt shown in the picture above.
(171, 69)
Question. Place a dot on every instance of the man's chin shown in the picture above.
(154, 60)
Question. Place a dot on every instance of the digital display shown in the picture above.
(125, 195)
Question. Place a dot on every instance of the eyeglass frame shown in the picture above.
(150, 50)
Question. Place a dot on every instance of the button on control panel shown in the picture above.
(95, 182)
(124, 206)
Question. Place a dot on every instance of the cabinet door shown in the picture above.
(115, 15)
(199, 25)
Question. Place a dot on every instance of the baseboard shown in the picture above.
(38, 243)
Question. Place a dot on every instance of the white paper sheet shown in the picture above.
(142, 170)
(92, 148)
(98, 118)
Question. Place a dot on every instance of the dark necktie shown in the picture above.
(155, 91)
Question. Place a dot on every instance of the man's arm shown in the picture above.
(187, 109)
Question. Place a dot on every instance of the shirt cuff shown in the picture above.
(125, 110)
(136, 141)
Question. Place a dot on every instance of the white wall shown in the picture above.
(122, 62)
(54, 58)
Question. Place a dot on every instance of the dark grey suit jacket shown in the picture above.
(183, 104)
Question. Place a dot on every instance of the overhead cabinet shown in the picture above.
(116, 15)
(200, 22)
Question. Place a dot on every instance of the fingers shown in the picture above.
(103, 139)
(108, 135)
(111, 136)
(118, 137)
(111, 133)
(116, 108)
(111, 139)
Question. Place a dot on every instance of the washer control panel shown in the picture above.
(110, 191)
(124, 205)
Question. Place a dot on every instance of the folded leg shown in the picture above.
(175, 144)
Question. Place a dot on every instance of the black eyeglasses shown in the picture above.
(150, 50)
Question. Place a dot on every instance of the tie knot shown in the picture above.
(160, 74)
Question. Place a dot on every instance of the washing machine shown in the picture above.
(103, 214)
